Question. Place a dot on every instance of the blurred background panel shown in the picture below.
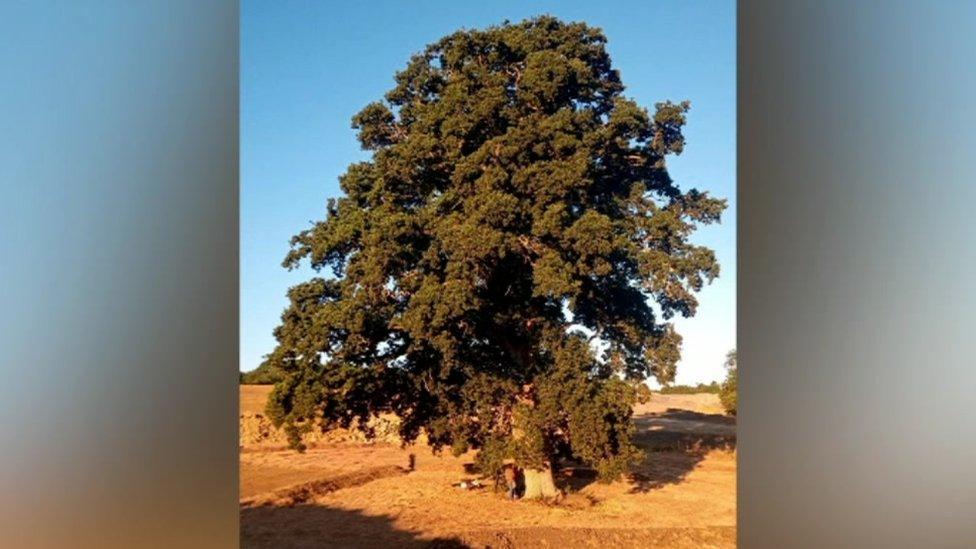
(118, 274)
(856, 266)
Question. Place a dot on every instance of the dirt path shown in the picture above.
(360, 495)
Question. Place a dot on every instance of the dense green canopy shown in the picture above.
(502, 271)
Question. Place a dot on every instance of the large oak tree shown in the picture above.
(502, 272)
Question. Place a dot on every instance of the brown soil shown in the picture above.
(348, 493)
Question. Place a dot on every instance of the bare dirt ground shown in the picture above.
(344, 492)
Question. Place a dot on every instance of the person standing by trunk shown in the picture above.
(511, 477)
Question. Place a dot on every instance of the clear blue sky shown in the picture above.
(307, 67)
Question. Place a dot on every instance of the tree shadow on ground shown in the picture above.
(316, 526)
(674, 442)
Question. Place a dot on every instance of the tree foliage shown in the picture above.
(515, 211)
(729, 394)
(265, 374)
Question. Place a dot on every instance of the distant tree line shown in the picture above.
(713, 388)
(265, 374)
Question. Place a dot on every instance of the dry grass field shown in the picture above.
(346, 492)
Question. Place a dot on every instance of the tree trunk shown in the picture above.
(539, 484)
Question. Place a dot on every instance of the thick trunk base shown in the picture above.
(539, 484)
